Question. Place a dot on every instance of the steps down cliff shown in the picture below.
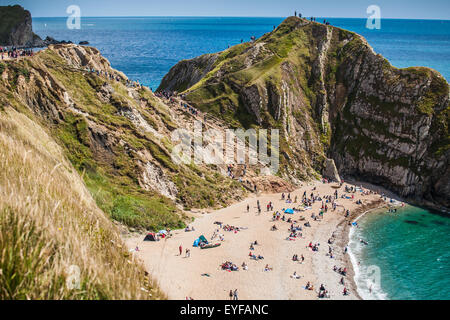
(332, 97)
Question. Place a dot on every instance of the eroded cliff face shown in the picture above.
(118, 137)
(333, 97)
(16, 28)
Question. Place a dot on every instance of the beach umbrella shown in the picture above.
(162, 232)
(290, 211)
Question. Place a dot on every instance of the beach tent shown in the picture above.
(289, 211)
(200, 240)
(203, 239)
(151, 237)
(196, 243)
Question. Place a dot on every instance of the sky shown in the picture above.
(401, 9)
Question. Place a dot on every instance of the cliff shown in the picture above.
(118, 137)
(16, 28)
(83, 152)
(332, 97)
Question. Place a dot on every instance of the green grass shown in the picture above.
(131, 206)
(49, 222)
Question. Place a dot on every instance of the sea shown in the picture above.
(407, 255)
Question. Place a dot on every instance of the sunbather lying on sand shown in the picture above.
(267, 268)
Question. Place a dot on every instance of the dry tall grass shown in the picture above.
(49, 222)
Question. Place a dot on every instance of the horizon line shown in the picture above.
(281, 17)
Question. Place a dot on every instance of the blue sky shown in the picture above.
(404, 9)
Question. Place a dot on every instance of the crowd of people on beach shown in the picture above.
(295, 230)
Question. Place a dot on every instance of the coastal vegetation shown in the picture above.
(51, 230)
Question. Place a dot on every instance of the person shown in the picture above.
(231, 294)
(235, 295)
(180, 248)
(248, 207)
(188, 253)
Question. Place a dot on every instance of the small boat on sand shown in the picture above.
(210, 245)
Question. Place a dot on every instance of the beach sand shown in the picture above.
(181, 277)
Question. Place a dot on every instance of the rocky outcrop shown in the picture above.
(188, 73)
(116, 136)
(16, 29)
(332, 97)
(330, 171)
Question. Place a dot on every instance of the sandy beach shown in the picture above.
(201, 277)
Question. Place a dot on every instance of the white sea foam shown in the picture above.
(366, 287)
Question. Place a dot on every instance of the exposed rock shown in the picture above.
(188, 73)
(153, 178)
(116, 136)
(332, 97)
(330, 171)
(16, 29)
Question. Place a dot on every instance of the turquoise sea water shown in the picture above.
(145, 48)
(411, 248)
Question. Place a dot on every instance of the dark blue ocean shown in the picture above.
(145, 48)
(410, 248)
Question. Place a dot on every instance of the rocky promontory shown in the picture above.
(332, 97)
(16, 29)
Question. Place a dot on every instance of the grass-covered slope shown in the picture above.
(49, 223)
(331, 96)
